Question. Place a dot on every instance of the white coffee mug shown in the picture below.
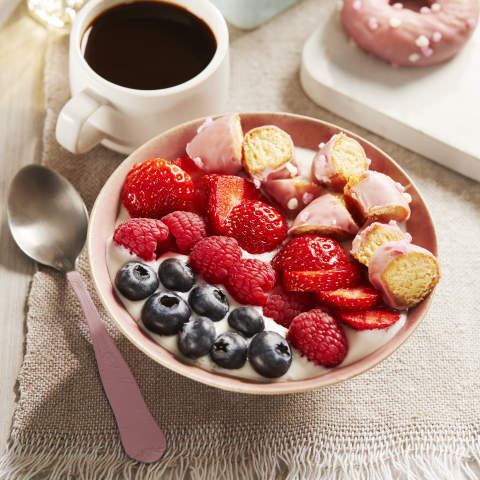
(124, 118)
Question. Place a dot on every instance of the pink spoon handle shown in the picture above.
(142, 438)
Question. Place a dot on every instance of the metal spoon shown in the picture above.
(49, 221)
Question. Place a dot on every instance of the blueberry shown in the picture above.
(136, 280)
(270, 354)
(176, 275)
(197, 337)
(165, 313)
(209, 301)
(247, 321)
(229, 350)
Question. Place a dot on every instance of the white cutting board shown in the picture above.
(434, 111)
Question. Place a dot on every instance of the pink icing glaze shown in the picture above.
(449, 28)
(217, 147)
(367, 228)
(378, 190)
(287, 170)
(326, 211)
(381, 258)
(322, 166)
(283, 190)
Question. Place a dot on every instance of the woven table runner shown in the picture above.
(416, 415)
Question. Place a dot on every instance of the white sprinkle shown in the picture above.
(256, 182)
(408, 197)
(425, 10)
(321, 145)
(393, 223)
(303, 217)
(408, 237)
(436, 37)
(414, 57)
(397, 6)
(395, 22)
(198, 162)
(357, 5)
(471, 22)
(307, 198)
(292, 204)
(291, 169)
(372, 23)
(422, 41)
(334, 222)
(436, 7)
(399, 187)
(205, 124)
(369, 162)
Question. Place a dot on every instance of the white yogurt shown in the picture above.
(360, 343)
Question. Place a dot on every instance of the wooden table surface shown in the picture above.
(22, 50)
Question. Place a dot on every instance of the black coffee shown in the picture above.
(148, 45)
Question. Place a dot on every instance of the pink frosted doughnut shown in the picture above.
(406, 37)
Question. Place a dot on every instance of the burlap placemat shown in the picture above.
(416, 415)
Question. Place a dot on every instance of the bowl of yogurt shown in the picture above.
(366, 348)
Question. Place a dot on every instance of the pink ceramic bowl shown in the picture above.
(305, 132)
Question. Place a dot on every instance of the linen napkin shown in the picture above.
(416, 415)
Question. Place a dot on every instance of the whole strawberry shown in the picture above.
(257, 227)
(155, 188)
(310, 252)
(319, 338)
(284, 306)
(249, 281)
(144, 237)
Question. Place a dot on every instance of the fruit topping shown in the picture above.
(213, 256)
(319, 338)
(209, 301)
(362, 297)
(223, 193)
(229, 351)
(247, 321)
(156, 188)
(188, 165)
(380, 317)
(136, 280)
(165, 313)
(186, 228)
(257, 227)
(197, 337)
(347, 275)
(144, 237)
(176, 275)
(248, 281)
(270, 354)
(310, 252)
(283, 306)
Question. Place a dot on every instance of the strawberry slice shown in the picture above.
(347, 275)
(223, 193)
(362, 297)
(310, 252)
(380, 317)
(188, 165)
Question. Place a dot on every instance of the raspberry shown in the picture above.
(310, 252)
(319, 338)
(257, 227)
(144, 237)
(283, 306)
(248, 281)
(213, 256)
(156, 188)
(187, 229)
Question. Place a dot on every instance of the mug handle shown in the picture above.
(72, 131)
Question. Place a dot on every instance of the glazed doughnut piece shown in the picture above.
(338, 161)
(401, 36)
(376, 196)
(268, 153)
(404, 274)
(373, 235)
